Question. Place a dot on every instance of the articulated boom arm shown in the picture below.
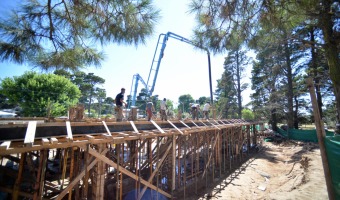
(162, 40)
(154, 70)
(134, 87)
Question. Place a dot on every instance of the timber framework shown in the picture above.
(120, 160)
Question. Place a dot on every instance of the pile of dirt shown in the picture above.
(289, 170)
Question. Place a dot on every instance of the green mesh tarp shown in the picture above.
(302, 135)
(333, 154)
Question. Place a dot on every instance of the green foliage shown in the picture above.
(184, 101)
(61, 35)
(289, 37)
(89, 85)
(203, 100)
(40, 94)
(247, 114)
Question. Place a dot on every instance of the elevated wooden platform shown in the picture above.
(111, 160)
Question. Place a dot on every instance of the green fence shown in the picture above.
(302, 135)
(333, 154)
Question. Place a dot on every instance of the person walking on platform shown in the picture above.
(206, 108)
(149, 108)
(163, 110)
(119, 101)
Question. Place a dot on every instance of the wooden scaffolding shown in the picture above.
(159, 160)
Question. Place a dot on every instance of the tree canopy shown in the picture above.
(40, 95)
(281, 26)
(63, 34)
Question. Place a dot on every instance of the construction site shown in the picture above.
(92, 158)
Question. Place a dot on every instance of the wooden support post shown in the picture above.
(179, 167)
(320, 130)
(16, 188)
(121, 175)
(71, 173)
(43, 157)
(86, 177)
(149, 150)
(173, 164)
(76, 171)
(158, 149)
(185, 167)
(98, 180)
(213, 155)
(38, 187)
(248, 139)
(64, 168)
(197, 154)
(118, 183)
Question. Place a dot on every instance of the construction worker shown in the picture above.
(119, 101)
(149, 109)
(194, 110)
(206, 108)
(163, 110)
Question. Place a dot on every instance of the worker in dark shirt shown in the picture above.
(119, 100)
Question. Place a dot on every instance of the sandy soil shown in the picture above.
(290, 170)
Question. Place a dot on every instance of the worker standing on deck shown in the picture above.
(119, 100)
(149, 108)
(206, 108)
(194, 110)
(163, 110)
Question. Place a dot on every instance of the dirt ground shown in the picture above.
(289, 170)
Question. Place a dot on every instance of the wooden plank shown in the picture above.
(90, 137)
(16, 188)
(45, 141)
(175, 127)
(134, 127)
(107, 128)
(195, 124)
(213, 125)
(320, 132)
(30, 133)
(69, 130)
(122, 134)
(54, 140)
(159, 128)
(203, 122)
(107, 136)
(185, 124)
(5, 145)
(126, 172)
(173, 163)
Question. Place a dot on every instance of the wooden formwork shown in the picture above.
(162, 162)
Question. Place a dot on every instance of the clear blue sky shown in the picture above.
(183, 70)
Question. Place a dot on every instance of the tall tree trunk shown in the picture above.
(290, 114)
(315, 72)
(296, 111)
(332, 52)
(273, 119)
(238, 76)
